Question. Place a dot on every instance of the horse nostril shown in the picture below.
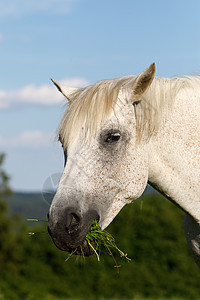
(73, 222)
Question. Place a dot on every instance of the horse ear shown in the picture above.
(65, 90)
(144, 80)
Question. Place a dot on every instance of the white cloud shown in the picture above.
(30, 139)
(45, 95)
(21, 7)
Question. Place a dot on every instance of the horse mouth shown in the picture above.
(69, 232)
(82, 248)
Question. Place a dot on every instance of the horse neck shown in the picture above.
(174, 154)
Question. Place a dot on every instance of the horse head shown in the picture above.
(106, 163)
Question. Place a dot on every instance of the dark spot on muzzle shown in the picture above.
(68, 229)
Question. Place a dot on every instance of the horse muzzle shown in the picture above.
(68, 229)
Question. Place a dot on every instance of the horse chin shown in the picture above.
(83, 250)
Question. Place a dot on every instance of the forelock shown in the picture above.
(89, 108)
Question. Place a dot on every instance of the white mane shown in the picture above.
(91, 106)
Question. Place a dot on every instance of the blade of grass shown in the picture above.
(100, 236)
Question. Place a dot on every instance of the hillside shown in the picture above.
(29, 205)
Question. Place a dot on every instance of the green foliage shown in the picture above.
(150, 231)
(11, 233)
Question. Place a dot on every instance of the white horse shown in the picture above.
(117, 136)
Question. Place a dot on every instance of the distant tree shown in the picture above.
(4, 179)
(4, 192)
(11, 236)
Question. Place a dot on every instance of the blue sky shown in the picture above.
(78, 42)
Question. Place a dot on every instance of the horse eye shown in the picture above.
(113, 137)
